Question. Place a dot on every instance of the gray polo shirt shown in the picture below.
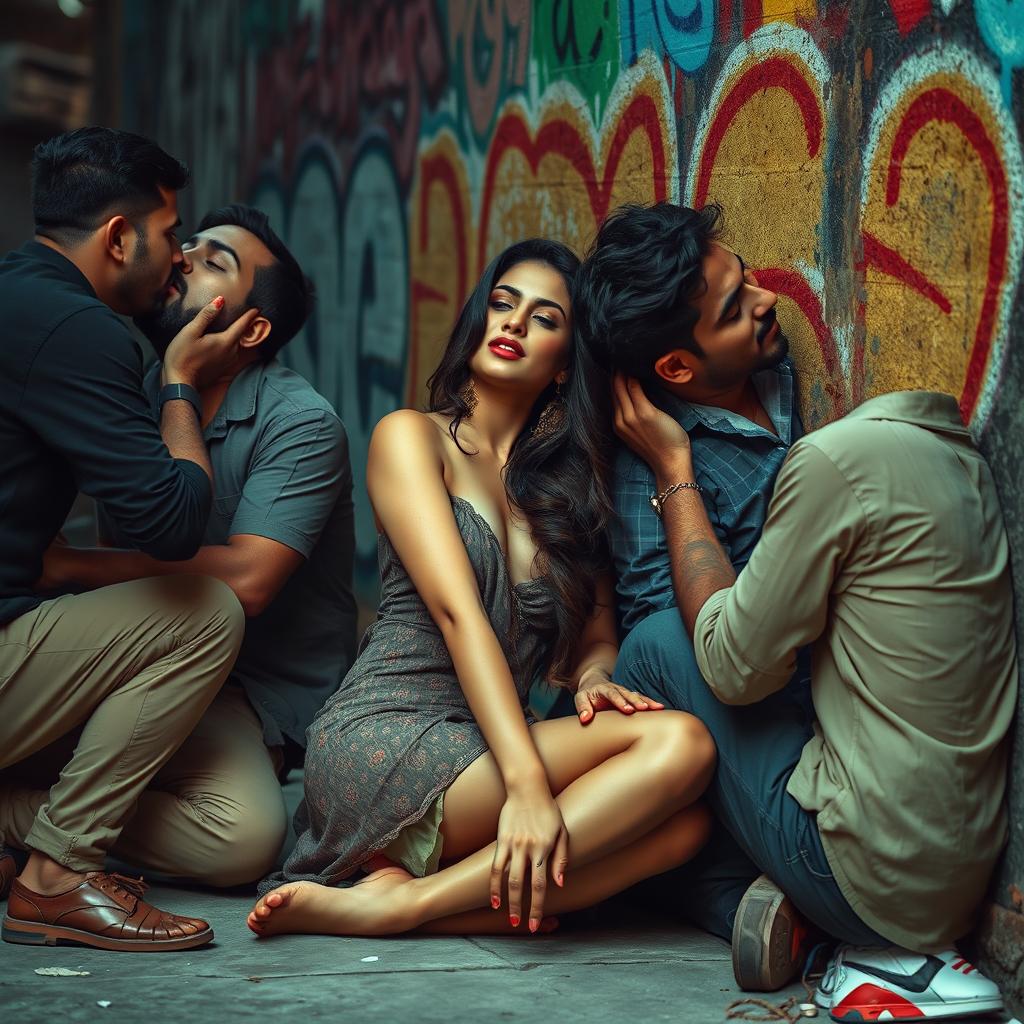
(281, 470)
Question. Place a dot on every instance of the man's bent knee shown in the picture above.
(205, 611)
(208, 600)
(238, 848)
(248, 855)
(657, 658)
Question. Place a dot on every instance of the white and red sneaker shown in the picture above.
(862, 984)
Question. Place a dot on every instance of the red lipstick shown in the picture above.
(506, 348)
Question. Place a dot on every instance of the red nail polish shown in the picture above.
(513, 919)
(219, 302)
(495, 902)
(534, 925)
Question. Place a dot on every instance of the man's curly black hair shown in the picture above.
(633, 296)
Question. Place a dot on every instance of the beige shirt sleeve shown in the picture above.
(746, 637)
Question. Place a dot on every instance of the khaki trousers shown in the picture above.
(135, 666)
(214, 813)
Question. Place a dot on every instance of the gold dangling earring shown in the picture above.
(467, 393)
(552, 416)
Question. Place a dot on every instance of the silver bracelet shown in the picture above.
(658, 500)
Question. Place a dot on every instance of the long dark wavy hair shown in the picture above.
(557, 479)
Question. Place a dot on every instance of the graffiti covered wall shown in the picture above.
(867, 154)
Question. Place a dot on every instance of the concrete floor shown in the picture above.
(622, 964)
(630, 969)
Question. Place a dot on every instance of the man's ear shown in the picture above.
(256, 333)
(676, 366)
(118, 239)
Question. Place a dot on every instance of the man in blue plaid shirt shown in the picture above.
(662, 300)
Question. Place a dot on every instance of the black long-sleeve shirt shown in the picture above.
(73, 418)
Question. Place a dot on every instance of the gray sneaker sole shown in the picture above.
(762, 939)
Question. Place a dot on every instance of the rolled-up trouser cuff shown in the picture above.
(64, 847)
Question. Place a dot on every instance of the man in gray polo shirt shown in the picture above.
(281, 534)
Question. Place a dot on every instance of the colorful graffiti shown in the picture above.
(557, 174)
(867, 156)
(346, 66)
(941, 149)
(489, 44)
(772, 186)
(941, 230)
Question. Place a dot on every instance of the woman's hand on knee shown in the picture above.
(597, 692)
(532, 841)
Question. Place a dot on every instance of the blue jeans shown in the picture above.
(758, 745)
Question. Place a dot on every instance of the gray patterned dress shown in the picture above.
(399, 731)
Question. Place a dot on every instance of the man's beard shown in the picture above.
(162, 324)
(720, 378)
(136, 288)
(779, 349)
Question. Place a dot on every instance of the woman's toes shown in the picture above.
(274, 899)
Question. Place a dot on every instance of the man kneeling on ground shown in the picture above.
(884, 549)
(281, 535)
(133, 667)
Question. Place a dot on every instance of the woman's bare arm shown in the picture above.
(599, 649)
(405, 477)
(598, 646)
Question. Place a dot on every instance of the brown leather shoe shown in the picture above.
(8, 870)
(106, 911)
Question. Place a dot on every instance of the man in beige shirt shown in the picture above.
(884, 548)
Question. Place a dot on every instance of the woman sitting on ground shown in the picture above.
(423, 769)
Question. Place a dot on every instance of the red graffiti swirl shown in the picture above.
(772, 73)
(562, 138)
(942, 105)
(437, 170)
(891, 263)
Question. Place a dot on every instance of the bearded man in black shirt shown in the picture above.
(134, 666)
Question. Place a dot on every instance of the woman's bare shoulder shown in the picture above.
(406, 426)
(407, 439)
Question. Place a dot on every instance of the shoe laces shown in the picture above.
(753, 1009)
(133, 886)
(809, 973)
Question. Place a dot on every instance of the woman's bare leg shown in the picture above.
(616, 780)
(315, 908)
(669, 845)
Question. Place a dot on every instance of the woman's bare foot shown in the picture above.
(374, 906)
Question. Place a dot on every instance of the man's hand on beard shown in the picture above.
(198, 355)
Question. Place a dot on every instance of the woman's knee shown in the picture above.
(683, 755)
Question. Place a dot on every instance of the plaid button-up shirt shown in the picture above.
(735, 462)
